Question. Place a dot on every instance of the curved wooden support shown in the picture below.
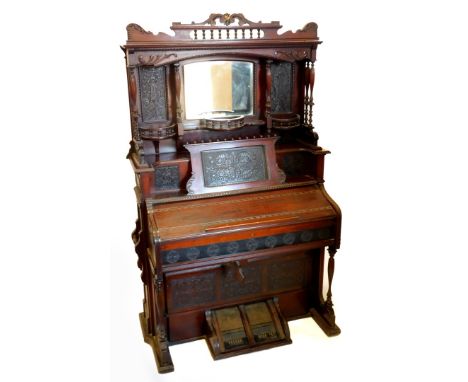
(139, 240)
(324, 316)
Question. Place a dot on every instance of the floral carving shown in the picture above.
(294, 55)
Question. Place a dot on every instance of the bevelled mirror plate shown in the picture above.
(218, 89)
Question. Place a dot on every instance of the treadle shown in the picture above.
(246, 328)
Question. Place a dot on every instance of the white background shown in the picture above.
(391, 100)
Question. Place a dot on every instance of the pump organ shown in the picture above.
(233, 218)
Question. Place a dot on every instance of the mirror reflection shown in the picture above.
(218, 89)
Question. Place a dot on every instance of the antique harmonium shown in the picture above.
(233, 217)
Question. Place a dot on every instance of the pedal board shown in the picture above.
(245, 328)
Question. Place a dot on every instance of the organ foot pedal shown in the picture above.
(246, 328)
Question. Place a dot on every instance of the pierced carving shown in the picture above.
(226, 19)
(154, 59)
(222, 26)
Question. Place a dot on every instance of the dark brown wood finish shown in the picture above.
(233, 218)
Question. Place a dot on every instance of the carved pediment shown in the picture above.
(232, 28)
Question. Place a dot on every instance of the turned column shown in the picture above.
(178, 97)
(331, 270)
(309, 79)
(323, 312)
(268, 94)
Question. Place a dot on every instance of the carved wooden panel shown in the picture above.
(287, 274)
(282, 86)
(153, 93)
(231, 166)
(247, 245)
(251, 285)
(166, 177)
(192, 291)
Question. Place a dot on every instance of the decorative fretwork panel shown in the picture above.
(153, 93)
(281, 87)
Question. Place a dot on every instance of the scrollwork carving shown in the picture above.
(282, 175)
(134, 116)
(154, 59)
(226, 19)
(309, 27)
(136, 27)
(189, 186)
(294, 55)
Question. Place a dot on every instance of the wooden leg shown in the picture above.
(160, 346)
(325, 315)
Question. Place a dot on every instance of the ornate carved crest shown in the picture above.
(227, 19)
(220, 26)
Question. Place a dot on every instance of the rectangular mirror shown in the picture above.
(215, 89)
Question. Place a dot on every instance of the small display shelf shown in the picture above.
(284, 121)
(224, 123)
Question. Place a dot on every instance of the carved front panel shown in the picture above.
(287, 275)
(281, 89)
(192, 291)
(246, 245)
(233, 166)
(166, 177)
(233, 288)
(153, 93)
